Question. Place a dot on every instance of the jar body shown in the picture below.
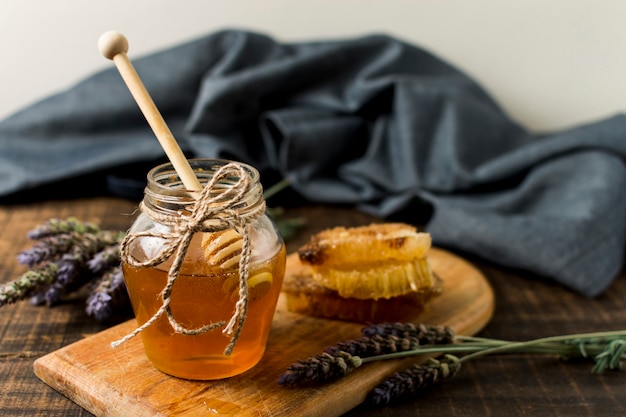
(205, 292)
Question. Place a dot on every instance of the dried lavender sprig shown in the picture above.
(109, 296)
(73, 270)
(67, 255)
(59, 226)
(320, 368)
(607, 349)
(27, 284)
(50, 247)
(323, 367)
(375, 345)
(416, 379)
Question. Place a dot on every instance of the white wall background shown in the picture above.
(549, 63)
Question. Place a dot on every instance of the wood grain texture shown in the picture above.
(122, 382)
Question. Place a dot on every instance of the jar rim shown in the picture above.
(197, 165)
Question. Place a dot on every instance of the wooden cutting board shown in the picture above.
(122, 382)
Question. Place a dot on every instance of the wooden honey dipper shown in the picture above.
(113, 45)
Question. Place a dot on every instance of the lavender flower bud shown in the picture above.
(52, 295)
(72, 275)
(39, 298)
(320, 368)
(105, 259)
(428, 335)
(375, 345)
(99, 306)
(67, 271)
(412, 381)
(109, 296)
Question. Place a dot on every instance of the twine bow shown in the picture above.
(213, 203)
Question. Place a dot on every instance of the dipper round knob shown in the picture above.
(112, 43)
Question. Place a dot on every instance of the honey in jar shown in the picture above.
(207, 287)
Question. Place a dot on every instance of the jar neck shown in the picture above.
(166, 195)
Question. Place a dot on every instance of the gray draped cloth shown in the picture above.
(371, 122)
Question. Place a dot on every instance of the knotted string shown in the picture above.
(218, 205)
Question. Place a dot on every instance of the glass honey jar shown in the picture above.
(204, 313)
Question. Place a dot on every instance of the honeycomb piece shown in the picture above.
(305, 295)
(347, 247)
(383, 280)
(376, 261)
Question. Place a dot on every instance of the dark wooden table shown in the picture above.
(514, 385)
